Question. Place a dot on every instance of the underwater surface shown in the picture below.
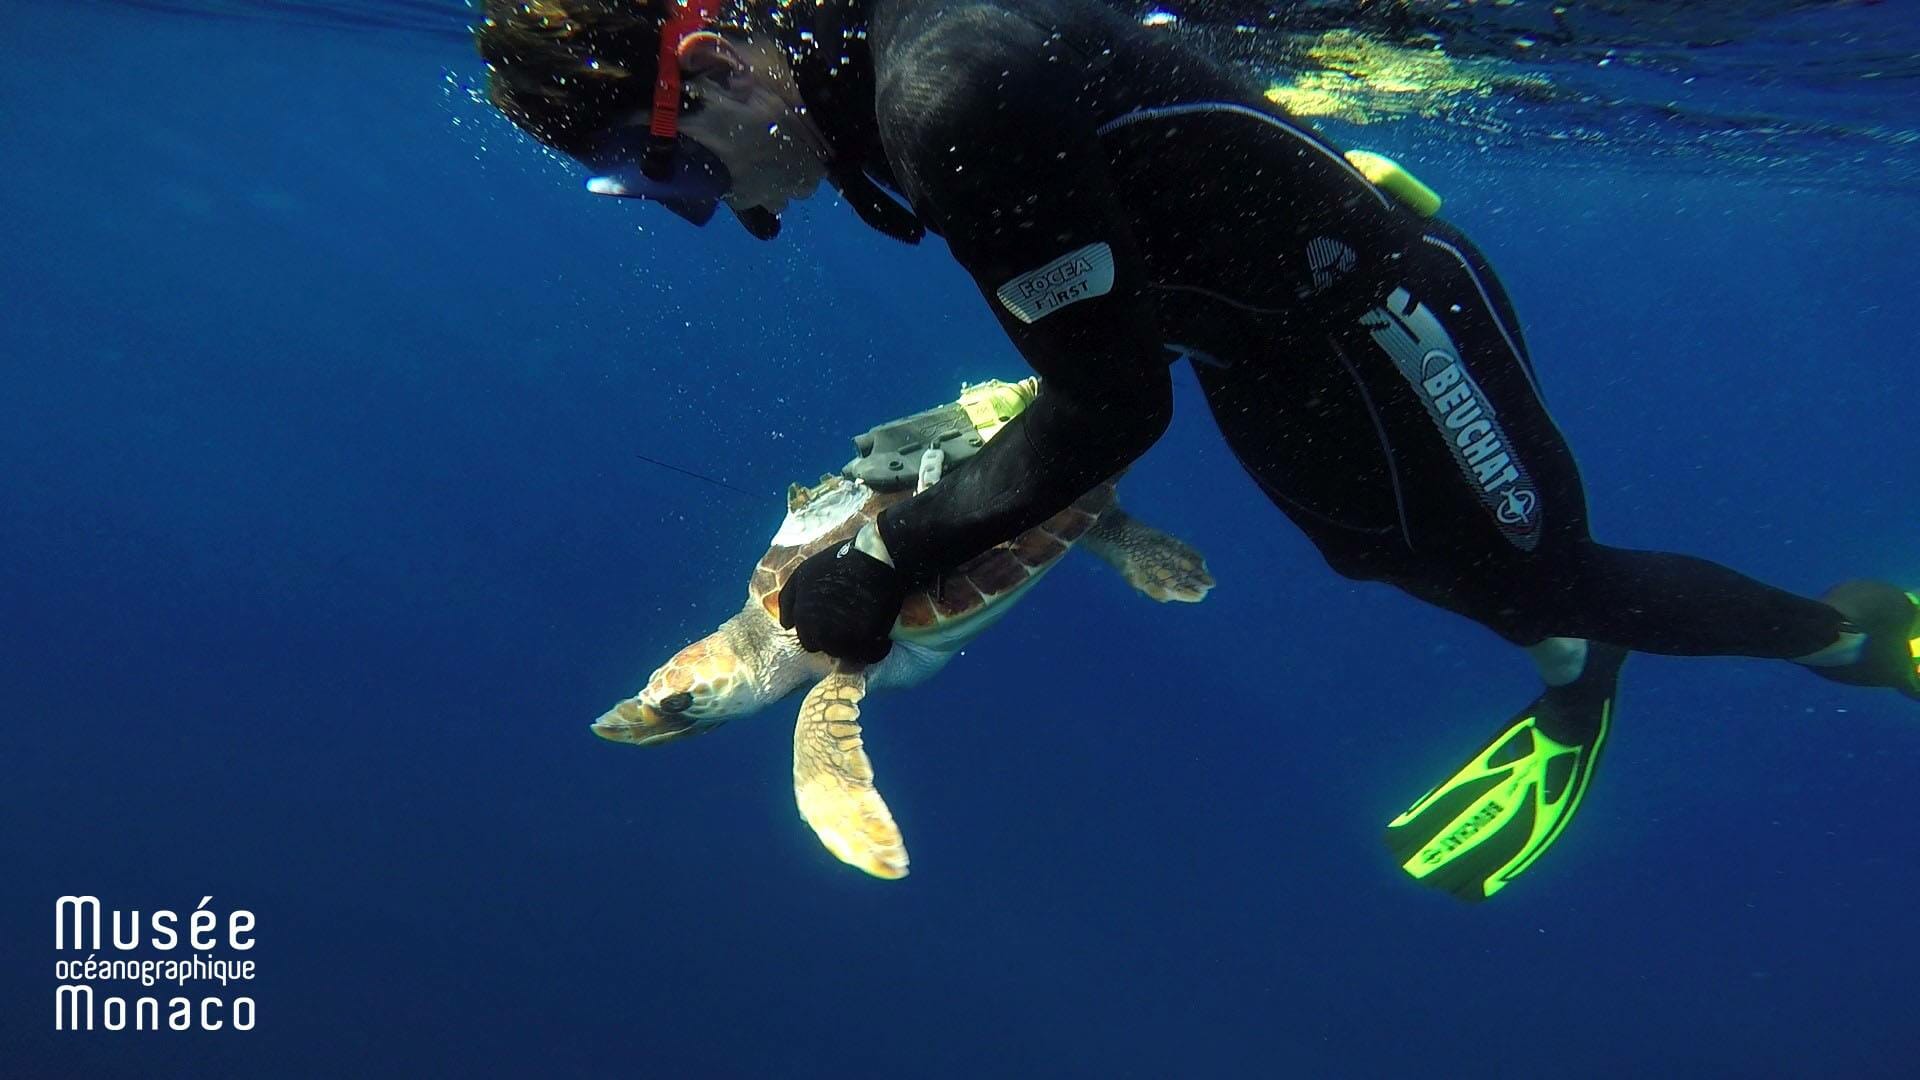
(328, 527)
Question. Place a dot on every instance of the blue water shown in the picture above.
(325, 537)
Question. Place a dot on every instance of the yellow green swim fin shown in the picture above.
(1913, 647)
(1890, 618)
(1493, 818)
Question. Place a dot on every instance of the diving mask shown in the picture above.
(692, 185)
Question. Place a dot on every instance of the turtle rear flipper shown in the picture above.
(1161, 566)
(833, 780)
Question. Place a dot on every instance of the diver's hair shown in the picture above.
(564, 71)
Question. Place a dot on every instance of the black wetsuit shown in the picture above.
(1122, 202)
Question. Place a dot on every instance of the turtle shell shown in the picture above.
(834, 510)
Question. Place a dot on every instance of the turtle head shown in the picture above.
(705, 685)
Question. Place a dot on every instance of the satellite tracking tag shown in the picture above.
(892, 454)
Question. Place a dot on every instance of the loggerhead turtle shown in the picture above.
(750, 661)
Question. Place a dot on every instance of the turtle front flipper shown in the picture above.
(833, 780)
(1161, 566)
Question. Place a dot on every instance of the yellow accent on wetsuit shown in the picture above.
(1389, 176)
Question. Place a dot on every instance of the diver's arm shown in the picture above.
(1036, 466)
(980, 115)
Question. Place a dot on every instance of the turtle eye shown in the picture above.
(676, 703)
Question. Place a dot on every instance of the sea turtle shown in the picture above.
(750, 662)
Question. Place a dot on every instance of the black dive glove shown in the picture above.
(843, 602)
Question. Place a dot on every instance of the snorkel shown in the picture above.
(663, 132)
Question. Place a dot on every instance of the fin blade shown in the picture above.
(1489, 822)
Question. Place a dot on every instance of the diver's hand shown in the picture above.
(843, 602)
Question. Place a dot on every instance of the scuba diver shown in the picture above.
(1123, 202)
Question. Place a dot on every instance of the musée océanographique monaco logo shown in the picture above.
(113, 987)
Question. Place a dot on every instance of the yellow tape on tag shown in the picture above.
(992, 404)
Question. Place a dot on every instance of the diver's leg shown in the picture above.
(1659, 602)
(1318, 443)
(1496, 515)
(1303, 428)
(1866, 633)
(1494, 518)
